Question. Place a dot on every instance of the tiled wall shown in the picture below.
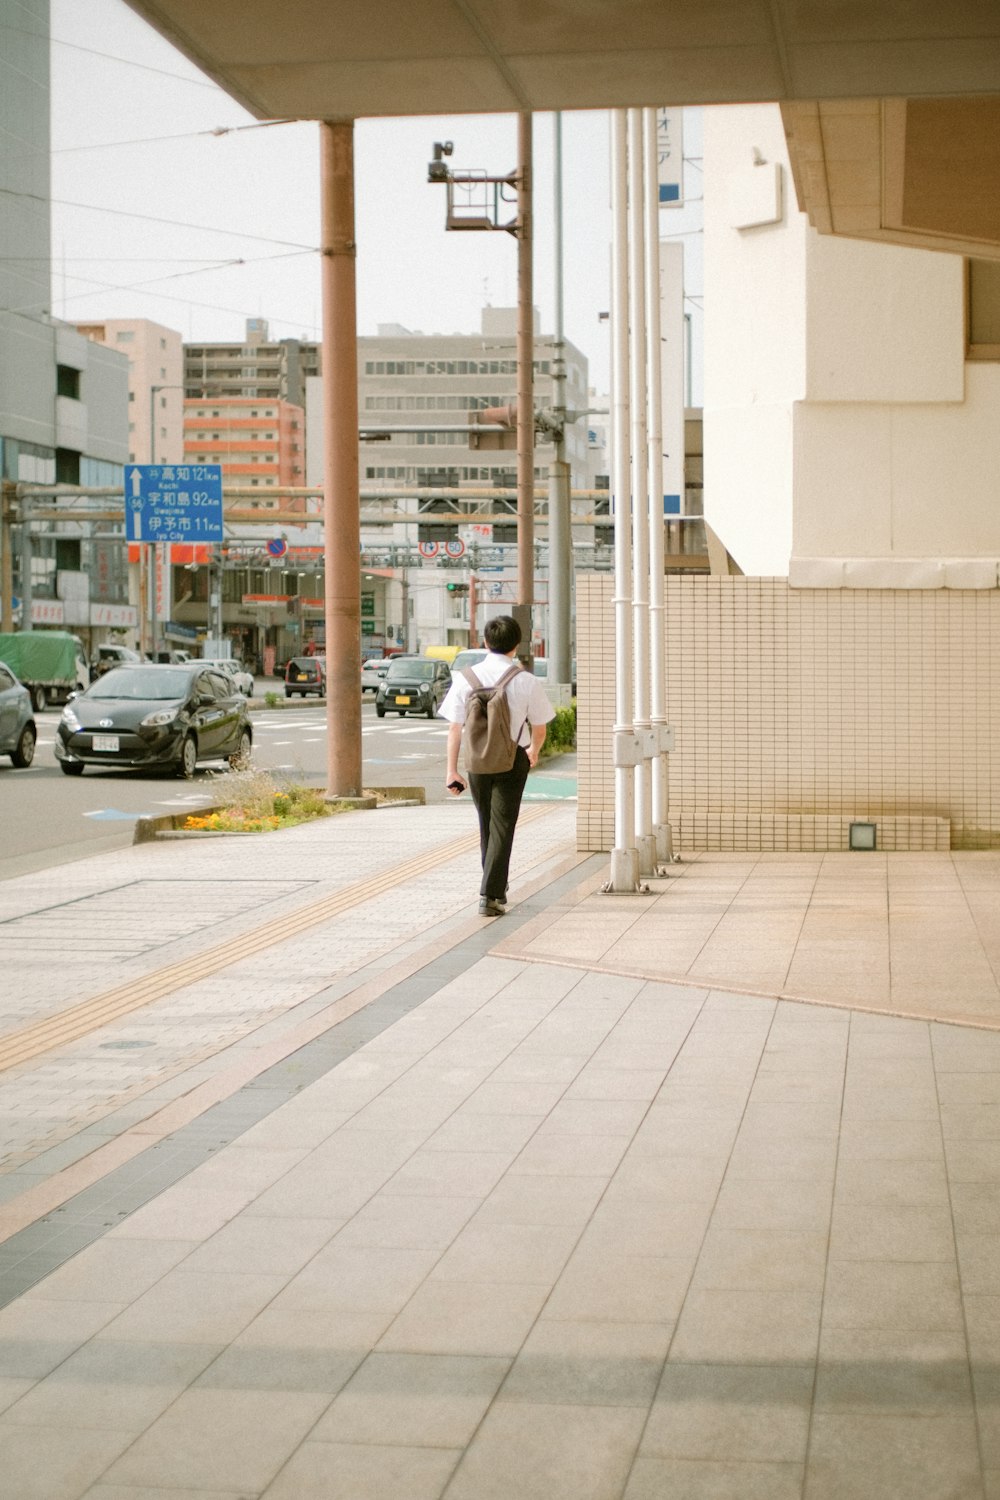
(797, 710)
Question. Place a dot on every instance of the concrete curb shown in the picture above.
(171, 825)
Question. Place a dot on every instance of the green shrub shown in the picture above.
(561, 731)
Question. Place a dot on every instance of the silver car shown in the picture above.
(232, 668)
(17, 727)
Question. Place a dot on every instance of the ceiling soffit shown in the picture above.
(920, 172)
(338, 59)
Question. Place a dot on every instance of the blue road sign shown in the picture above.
(173, 503)
(277, 547)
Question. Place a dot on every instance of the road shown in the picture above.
(48, 818)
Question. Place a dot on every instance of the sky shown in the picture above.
(156, 215)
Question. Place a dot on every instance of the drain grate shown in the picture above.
(132, 919)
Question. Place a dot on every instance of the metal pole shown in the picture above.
(560, 520)
(219, 624)
(525, 385)
(154, 587)
(657, 608)
(7, 556)
(640, 496)
(27, 581)
(143, 601)
(624, 875)
(341, 500)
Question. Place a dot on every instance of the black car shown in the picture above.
(153, 715)
(412, 685)
(306, 674)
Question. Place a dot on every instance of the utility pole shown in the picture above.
(479, 208)
(525, 389)
(560, 520)
(7, 489)
(341, 499)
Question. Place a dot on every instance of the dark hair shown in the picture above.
(502, 634)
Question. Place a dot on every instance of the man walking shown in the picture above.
(497, 796)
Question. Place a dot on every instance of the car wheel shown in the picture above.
(38, 698)
(240, 757)
(188, 758)
(24, 751)
(71, 767)
(379, 711)
(288, 692)
(431, 709)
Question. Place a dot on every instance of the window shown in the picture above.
(163, 343)
(67, 466)
(131, 396)
(124, 336)
(67, 382)
(983, 302)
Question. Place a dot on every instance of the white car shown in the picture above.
(372, 673)
(232, 668)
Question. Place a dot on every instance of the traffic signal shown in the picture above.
(458, 588)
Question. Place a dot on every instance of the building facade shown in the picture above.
(155, 384)
(63, 400)
(851, 450)
(259, 367)
(259, 443)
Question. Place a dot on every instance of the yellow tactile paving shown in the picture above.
(69, 1025)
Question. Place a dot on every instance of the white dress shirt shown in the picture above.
(527, 699)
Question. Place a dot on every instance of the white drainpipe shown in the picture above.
(657, 608)
(624, 875)
(645, 842)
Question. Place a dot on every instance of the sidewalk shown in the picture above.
(317, 1184)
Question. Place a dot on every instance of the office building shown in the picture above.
(63, 399)
(155, 384)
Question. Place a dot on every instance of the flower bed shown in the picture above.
(256, 803)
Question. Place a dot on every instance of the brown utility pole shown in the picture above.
(341, 499)
(7, 490)
(525, 387)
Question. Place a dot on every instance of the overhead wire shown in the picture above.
(122, 213)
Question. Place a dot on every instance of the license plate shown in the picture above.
(105, 742)
(301, 677)
(401, 700)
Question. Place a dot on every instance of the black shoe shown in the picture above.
(489, 908)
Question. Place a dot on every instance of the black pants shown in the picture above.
(498, 802)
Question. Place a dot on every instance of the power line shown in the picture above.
(122, 213)
(126, 62)
(185, 135)
(101, 287)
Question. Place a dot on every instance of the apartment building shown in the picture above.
(155, 384)
(260, 367)
(259, 443)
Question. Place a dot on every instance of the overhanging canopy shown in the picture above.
(330, 59)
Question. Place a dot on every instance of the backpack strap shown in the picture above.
(475, 684)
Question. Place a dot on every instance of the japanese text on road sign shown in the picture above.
(173, 503)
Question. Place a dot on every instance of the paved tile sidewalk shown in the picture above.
(552, 1232)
